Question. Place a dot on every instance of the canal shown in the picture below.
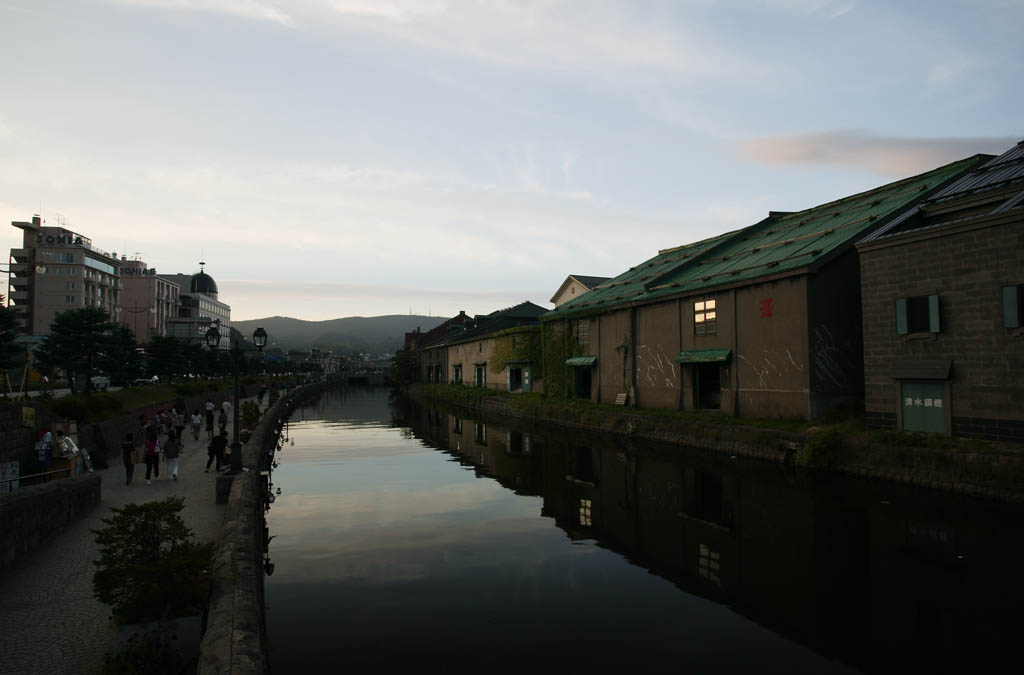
(418, 539)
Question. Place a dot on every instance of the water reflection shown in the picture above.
(412, 537)
(877, 576)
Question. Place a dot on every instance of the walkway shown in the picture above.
(49, 620)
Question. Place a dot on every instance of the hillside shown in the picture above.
(374, 334)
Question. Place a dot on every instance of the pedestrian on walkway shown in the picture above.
(128, 457)
(222, 421)
(209, 424)
(215, 450)
(197, 422)
(152, 455)
(179, 422)
(171, 452)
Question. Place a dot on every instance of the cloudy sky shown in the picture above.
(332, 158)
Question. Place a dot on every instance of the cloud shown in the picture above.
(603, 41)
(888, 155)
(950, 69)
(829, 9)
(249, 9)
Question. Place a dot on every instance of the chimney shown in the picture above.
(37, 221)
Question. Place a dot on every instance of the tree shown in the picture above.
(79, 340)
(404, 368)
(120, 360)
(149, 566)
(166, 357)
(11, 356)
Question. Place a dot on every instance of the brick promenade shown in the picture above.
(49, 621)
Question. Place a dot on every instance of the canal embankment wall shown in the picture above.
(973, 468)
(235, 638)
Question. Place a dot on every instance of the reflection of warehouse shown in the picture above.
(867, 580)
(760, 322)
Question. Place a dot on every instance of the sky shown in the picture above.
(331, 158)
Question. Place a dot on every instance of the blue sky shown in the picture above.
(332, 158)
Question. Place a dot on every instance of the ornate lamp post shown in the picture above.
(259, 338)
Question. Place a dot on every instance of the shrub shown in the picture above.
(149, 567)
(822, 449)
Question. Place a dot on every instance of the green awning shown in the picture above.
(581, 361)
(704, 356)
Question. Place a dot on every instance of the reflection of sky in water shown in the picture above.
(390, 555)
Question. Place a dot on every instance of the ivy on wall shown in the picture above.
(518, 344)
(558, 345)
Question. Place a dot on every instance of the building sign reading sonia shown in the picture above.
(66, 238)
(137, 272)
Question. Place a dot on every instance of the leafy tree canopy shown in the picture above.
(149, 566)
(81, 341)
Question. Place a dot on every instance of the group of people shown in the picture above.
(163, 435)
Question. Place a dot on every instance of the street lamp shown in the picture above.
(259, 338)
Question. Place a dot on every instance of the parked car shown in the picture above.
(142, 381)
(100, 382)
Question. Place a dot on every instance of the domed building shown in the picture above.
(198, 306)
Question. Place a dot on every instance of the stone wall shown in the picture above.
(235, 640)
(31, 515)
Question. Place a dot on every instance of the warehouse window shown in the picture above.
(919, 314)
(705, 317)
(1013, 306)
(583, 332)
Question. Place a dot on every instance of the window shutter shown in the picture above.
(933, 313)
(901, 316)
(1011, 310)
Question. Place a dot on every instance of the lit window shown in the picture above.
(705, 317)
(709, 565)
(585, 519)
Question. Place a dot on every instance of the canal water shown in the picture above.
(419, 539)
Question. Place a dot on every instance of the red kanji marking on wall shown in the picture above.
(766, 308)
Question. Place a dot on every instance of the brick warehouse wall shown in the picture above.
(966, 266)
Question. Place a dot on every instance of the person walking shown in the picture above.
(209, 424)
(178, 416)
(128, 457)
(222, 421)
(152, 456)
(171, 452)
(215, 450)
(197, 422)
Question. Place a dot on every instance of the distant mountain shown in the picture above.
(373, 334)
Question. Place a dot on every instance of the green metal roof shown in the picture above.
(782, 242)
(581, 361)
(704, 356)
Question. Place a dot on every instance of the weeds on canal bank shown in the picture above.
(840, 441)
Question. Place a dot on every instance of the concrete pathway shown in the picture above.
(49, 620)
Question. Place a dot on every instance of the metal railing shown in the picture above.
(37, 478)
